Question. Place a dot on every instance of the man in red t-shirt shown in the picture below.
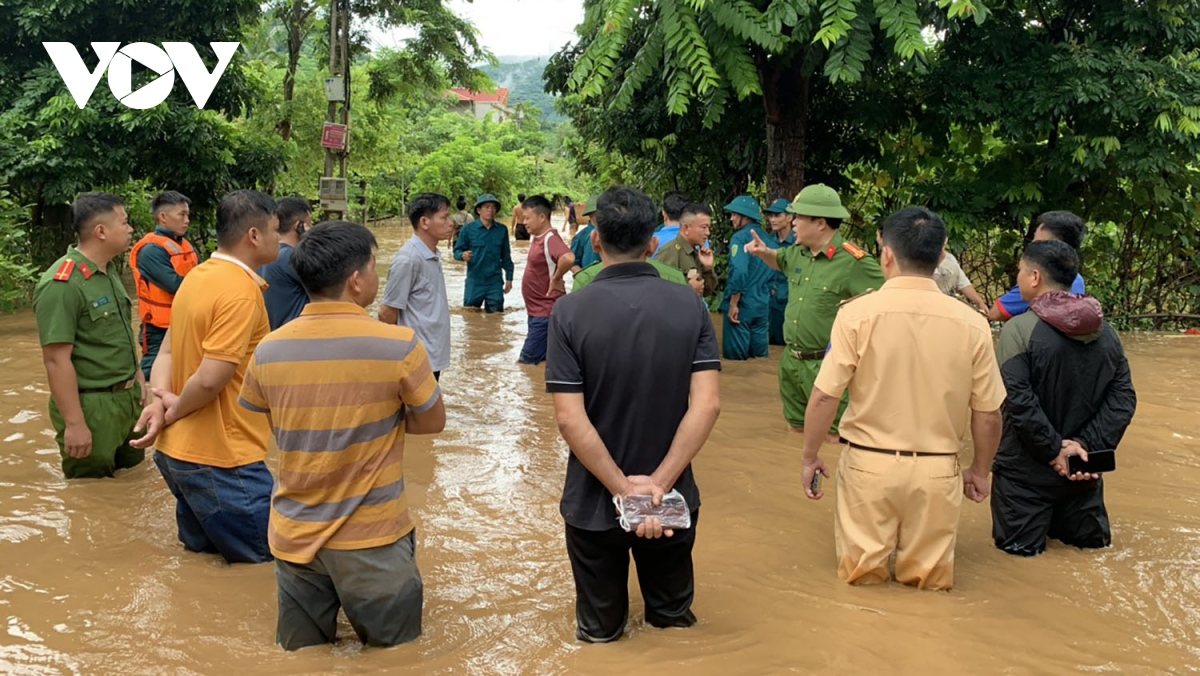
(542, 284)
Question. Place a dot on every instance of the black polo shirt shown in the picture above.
(630, 342)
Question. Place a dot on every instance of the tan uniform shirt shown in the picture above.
(917, 362)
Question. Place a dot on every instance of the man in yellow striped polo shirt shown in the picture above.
(341, 391)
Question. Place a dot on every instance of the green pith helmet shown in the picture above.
(746, 206)
(484, 199)
(818, 201)
(589, 207)
(779, 206)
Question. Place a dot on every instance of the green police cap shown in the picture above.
(779, 206)
(746, 206)
(819, 201)
(589, 207)
(485, 198)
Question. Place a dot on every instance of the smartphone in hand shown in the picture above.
(1098, 462)
(815, 486)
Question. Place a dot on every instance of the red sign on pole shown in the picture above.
(333, 136)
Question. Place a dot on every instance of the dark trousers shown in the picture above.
(600, 564)
(490, 297)
(748, 338)
(220, 510)
(152, 337)
(534, 350)
(1025, 515)
(380, 589)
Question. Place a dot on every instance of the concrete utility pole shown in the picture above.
(337, 91)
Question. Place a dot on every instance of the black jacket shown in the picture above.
(1067, 378)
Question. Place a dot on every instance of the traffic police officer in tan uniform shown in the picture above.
(920, 369)
(823, 269)
(88, 346)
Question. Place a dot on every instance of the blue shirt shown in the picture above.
(1011, 304)
(581, 246)
(665, 234)
(285, 297)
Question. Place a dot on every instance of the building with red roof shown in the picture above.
(479, 104)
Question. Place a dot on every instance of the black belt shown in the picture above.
(807, 356)
(911, 454)
(119, 387)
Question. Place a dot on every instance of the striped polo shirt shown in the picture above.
(335, 384)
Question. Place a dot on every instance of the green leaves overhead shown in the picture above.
(694, 49)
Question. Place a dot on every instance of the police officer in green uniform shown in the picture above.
(88, 345)
(483, 244)
(581, 243)
(781, 231)
(744, 333)
(823, 270)
(689, 252)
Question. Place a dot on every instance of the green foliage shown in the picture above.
(17, 276)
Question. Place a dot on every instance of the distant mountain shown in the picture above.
(524, 82)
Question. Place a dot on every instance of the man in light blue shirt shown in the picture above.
(415, 295)
(1063, 226)
(672, 210)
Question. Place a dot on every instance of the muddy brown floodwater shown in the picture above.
(93, 581)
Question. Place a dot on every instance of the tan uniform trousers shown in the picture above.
(898, 503)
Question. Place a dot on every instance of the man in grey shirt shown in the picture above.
(415, 295)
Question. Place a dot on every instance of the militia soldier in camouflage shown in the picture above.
(84, 325)
(689, 253)
(823, 270)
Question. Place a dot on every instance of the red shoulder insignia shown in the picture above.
(853, 250)
(830, 251)
(87, 272)
(64, 271)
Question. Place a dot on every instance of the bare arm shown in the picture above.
(972, 295)
(697, 424)
(64, 388)
(563, 265)
(818, 418)
(995, 314)
(388, 314)
(985, 432)
(202, 388)
(430, 421)
(585, 442)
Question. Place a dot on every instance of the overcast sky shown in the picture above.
(513, 27)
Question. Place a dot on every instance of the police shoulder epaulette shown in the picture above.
(853, 250)
(64, 271)
(852, 298)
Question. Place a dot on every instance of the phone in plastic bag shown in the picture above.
(633, 510)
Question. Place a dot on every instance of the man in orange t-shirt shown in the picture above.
(210, 449)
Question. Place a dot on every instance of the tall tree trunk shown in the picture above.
(786, 100)
(50, 232)
(295, 21)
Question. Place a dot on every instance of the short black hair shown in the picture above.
(520, 197)
(241, 210)
(539, 205)
(917, 236)
(290, 211)
(426, 204)
(1065, 226)
(695, 209)
(168, 198)
(1056, 259)
(674, 204)
(835, 223)
(329, 254)
(461, 203)
(89, 207)
(625, 220)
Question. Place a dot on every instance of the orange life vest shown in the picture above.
(154, 304)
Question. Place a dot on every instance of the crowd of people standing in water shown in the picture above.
(271, 337)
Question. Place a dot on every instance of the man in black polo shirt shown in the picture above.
(633, 366)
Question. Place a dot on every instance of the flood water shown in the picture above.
(93, 580)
